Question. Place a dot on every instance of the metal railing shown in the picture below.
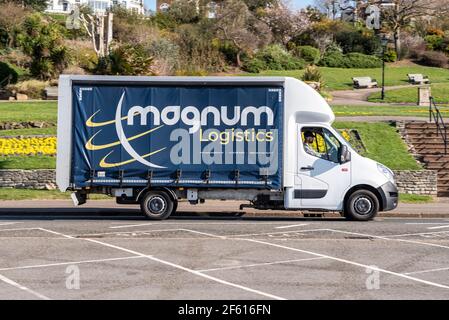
(435, 115)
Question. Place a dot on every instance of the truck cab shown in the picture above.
(323, 171)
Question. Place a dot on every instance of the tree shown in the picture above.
(402, 14)
(284, 23)
(94, 24)
(236, 24)
(42, 41)
(11, 17)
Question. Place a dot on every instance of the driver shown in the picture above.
(309, 139)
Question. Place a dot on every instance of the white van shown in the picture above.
(156, 140)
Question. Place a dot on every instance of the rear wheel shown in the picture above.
(157, 205)
(362, 205)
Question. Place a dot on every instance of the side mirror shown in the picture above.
(345, 155)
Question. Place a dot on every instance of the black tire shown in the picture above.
(157, 205)
(362, 205)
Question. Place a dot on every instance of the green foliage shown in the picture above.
(390, 56)
(437, 43)
(128, 59)
(182, 11)
(313, 74)
(310, 54)
(254, 65)
(357, 40)
(273, 57)
(42, 40)
(7, 74)
(335, 59)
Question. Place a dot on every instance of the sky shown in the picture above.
(298, 4)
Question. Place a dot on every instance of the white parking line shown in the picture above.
(204, 233)
(122, 232)
(259, 264)
(19, 286)
(391, 239)
(131, 225)
(68, 263)
(270, 233)
(19, 229)
(426, 271)
(268, 295)
(416, 234)
(292, 226)
(352, 263)
(439, 227)
(8, 223)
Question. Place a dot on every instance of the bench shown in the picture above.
(364, 82)
(418, 79)
(51, 93)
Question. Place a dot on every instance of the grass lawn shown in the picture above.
(440, 92)
(24, 162)
(28, 111)
(341, 79)
(351, 111)
(26, 132)
(414, 198)
(30, 194)
(383, 144)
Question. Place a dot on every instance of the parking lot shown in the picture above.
(116, 254)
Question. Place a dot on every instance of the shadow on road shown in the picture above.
(135, 214)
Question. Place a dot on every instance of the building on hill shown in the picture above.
(98, 6)
(208, 7)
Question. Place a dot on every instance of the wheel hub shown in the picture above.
(363, 205)
(156, 204)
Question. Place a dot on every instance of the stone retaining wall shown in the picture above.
(423, 182)
(28, 179)
(415, 182)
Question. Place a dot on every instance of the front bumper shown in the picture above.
(390, 196)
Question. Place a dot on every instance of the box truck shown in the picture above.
(265, 141)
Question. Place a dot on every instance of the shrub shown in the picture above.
(254, 65)
(360, 60)
(335, 59)
(308, 53)
(390, 56)
(435, 42)
(273, 57)
(312, 74)
(34, 89)
(130, 59)
(83, 55)
(434, 59)
(7, 74)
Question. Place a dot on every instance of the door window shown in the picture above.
(320, 143)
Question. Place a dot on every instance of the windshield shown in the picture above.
(344, 141)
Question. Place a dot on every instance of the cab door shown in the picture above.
(323, 179)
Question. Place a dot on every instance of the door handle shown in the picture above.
(309, 168)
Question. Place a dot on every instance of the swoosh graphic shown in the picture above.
(90, 146)
(105, 164)
(93, 124)
(124, 140)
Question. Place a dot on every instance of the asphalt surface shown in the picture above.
(110, 253)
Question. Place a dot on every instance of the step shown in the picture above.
(421, 125)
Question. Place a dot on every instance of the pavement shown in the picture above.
(52, 251)
(359, 97)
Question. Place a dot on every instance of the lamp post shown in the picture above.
(384, 43)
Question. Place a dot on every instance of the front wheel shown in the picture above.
(362, 205)
(157, 205)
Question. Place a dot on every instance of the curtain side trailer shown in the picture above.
(267, 141)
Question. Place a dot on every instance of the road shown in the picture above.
(116, 254)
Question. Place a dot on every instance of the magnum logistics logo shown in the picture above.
(211, 135)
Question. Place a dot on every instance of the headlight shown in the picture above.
(386, 172)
